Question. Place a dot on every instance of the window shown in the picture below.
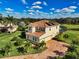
(49, 29)
(27, 36)
(56, 27)
(34, 39)
(38, 29)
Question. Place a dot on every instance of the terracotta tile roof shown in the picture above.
(37, 34)
(43, 23)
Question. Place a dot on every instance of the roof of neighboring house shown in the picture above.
(43, 23)
(36, 34)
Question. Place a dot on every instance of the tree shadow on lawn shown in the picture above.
(74, 29)
(63, 29)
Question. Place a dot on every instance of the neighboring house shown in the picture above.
(12, 28)
(22, 24)
(42, 31)
(8, 27)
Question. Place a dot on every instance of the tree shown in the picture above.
(21, 50)
(2, 52)
(23, 35)
(42, 44)
(70, 55)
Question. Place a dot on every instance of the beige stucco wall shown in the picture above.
(13, 29)
(31, 38)
(33, 29)
(1, 25)
(50, 33)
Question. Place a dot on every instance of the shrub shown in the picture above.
(65, 36)
(23, 34)
(2, 52)
(14, 39)
(70, 55)
(20, 50)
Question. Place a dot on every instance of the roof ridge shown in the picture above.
(42, 23)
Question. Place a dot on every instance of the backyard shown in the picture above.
(13, 44)
(71, 36)
(71, 33)
(6, 37)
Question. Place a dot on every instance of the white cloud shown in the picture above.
(18, 15)
(65, 10)
(37, 2)
(58, 10)
(69, 9)
(24, 1)
(65, 15)
(51, 12)
(30, 10)
(31, 13)
(52, 9)
(24, 10)
(45, 3)
(40, 12)
(37, 11)
(73, 7)
(36, 7)
(9, 10)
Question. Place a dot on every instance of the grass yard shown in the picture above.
(71, 26)
(69, 35)
(6, 37)
(13, 44)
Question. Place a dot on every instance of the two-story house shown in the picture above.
(42, 31)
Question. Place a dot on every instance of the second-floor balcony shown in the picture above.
(37, 29)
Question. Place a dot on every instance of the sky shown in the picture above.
(40, 8)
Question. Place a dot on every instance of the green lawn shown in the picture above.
(71, 26)
(69, 35)
(6, 37)
(12, 44)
